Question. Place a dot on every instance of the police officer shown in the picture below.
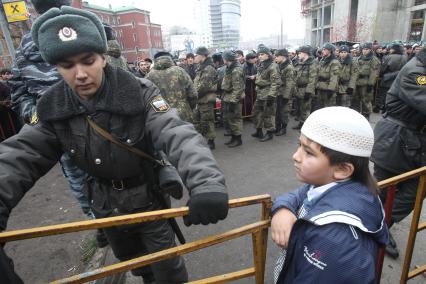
(368, 66)
(328, 77)
(348, 77)
(306, 80)
(233, 94)
(94, 95)
(205, 83)
(285, 91)
(175, 85)
(400, 137)
(389, 69)
(268, 80)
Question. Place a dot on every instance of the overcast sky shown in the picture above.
(258, 17)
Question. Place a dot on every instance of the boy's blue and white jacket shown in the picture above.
(337, 237)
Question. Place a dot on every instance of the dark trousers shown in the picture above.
(405, 195)
(7, 273)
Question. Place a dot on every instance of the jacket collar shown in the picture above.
(206, 63)
(119, 94)
(348, 60)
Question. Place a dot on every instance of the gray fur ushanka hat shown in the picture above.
(65, 32)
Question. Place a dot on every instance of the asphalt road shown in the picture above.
(255, 168)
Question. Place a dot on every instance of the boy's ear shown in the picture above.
(343, 171)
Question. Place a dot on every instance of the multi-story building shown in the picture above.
(364, 20)
(138, 37)
(218, 22)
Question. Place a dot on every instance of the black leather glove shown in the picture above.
(369, 88)
(207, 208)
(307, 96)
(231, 107)
(349, 91)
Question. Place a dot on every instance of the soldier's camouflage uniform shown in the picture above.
(369, 67)
(347, 80)
(233, 85)
(175, 85)
(306, 80)
(284, 93)
(328, 80)
(31, 78)
(205, 83)
(268, 81)
(114, 55)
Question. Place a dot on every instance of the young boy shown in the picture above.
(330, 229)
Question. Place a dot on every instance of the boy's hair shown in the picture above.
(4, 71)
(361, 167)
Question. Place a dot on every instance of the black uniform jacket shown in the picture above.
(133, 111)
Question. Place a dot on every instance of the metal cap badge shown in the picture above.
(67, 34)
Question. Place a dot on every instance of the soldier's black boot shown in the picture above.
(298, 127)
(282, 131)
(230, 140)
(101, 239)
(391, 249)
(237, 141)
(277, 128)
(258, 133)
(211, 144)
(268, 136)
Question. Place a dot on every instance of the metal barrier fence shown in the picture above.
(415, 227)
(258, 230)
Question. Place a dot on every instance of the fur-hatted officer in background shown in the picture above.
(369, 67)
(285, 91)
(400, 137)
(233, 93)
(306, 80)
(389, 69)
(205, 83)
(328, 77)
(268, 81)
(175, 85)
(93, 96)
(348, 77)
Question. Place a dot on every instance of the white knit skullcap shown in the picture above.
(341, 129)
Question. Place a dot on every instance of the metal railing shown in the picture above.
(415, 227)
(258, 230)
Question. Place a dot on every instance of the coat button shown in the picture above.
(72, 151)
(115, 210)
(129, 141)
(98, 161)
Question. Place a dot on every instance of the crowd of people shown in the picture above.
(71, 88)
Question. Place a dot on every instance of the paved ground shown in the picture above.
(255, 168)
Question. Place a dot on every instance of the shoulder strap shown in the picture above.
(105, 134)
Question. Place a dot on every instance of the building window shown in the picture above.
(134, 37)
(118, 20)
(133, 24)
(147, 19)
(327, 16)
(419, 2)
(113, 20)
(417, 23)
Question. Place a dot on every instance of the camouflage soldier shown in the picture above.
(368, 66)
(114, 55)
(175, 85)
(233, 92)
(348, 77)
(268, 81)
(285, 90)
(306, 80)
(328, 77)
(205, 83)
